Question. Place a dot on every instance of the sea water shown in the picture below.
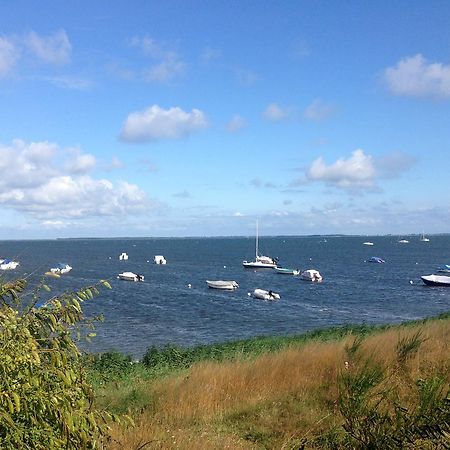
(174, 305)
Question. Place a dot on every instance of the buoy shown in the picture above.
(249, 294)
(148, 260)
(411, 282)
(224, 267)
(189, 285)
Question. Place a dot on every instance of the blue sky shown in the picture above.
(195, 118)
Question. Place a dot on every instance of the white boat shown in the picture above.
(226, 285)
(423, 238)
(367, 243)
(130, 276)
(123, 256)
(159, 259)
(260, 262)
(436, 280)
(266, 295)
(444, 268)
(7, 264)
(286, 271)
(403, 241)
(311, 275)
(61, 268)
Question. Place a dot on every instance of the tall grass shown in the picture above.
(389, 388)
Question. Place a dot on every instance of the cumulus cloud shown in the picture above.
(50, 184)
(167, 62)
(53, 49)
(358, 171)
(236, 123)
(275, 113)
(415, 76)
(8, 56)
(318, 110)
(155, 124)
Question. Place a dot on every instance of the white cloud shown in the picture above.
(358, 171)
(275, 113)
(414, 76)
(54, 49)
(318, 110)
(155, 123)
(49, 183)
(8, 56)
(80, 163)
(168, 63)
(236, 123)
(70, 82)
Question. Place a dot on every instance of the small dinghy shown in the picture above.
(123, 257)
(130, 276)
(286, 271)
(376, 259)
(436, 280)
(266, 295)
(311, 275)
(159, 259)
(61, 268)
(222, 284)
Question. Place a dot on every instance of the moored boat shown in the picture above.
(159, 259)
(444, 268)
(311, 275)
(436, 280)
(123, 256)
(266, 295)
(130, 276)
(61, 268)
(286, 271)
(7, 264)
(227, 285)
(376, 259)
(367, 243)
(261, 261)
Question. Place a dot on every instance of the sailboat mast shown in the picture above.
(257, 239)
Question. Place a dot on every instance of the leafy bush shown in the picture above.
(45, 400)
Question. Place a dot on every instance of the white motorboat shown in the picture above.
(286, 271)
(266, 295)
(123, 257)
(159, 259)
(61, 268)
(7, 264)
(130, 276)
(311, 275)
(368, 243)
(403, 241)
(444, 268)
(226, 285)
(260, 262)
(436, 280)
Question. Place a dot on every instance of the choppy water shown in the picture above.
(164, 309)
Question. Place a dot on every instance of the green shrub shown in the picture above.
(45, 400)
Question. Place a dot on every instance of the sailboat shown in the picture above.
(424, 238)
(261, 261)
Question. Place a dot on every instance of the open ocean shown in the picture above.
(163, 309)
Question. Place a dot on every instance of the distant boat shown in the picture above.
(159, 259)
(436, 280)
(7, 264)
(130, 276)
(311, 275)
(367, 243)
(444, 268)
(423, 238)
(266, 295)
(61, 268)
(376, 259)
(123, 256)
(222, 284)
(260, 262)
(403, 241)
(285, 271)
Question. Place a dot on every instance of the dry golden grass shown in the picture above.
(274, 400)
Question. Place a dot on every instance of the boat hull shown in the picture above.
(311, 275)
(130, 276)
(283, 271)
(258, 265)
(223, 285)
(262, 294)
(436, 280)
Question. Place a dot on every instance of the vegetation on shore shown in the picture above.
(346, 387)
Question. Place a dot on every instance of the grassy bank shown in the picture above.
(347, 387)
